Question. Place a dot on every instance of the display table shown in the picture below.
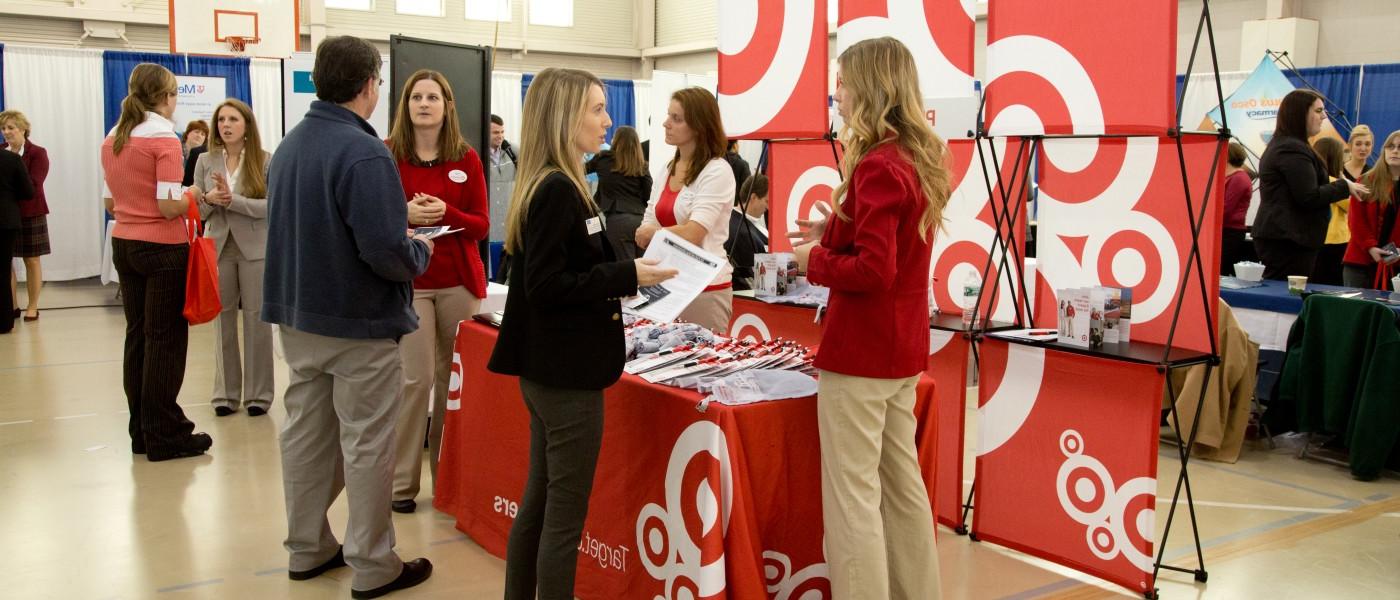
(1268, 312)
(725, 503)
(760, 320)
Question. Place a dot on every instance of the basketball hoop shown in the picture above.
(237, 43)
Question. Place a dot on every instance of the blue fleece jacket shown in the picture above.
(339, 262)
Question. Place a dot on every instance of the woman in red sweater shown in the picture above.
(1373, 222)
(444, 186)
(874, 255)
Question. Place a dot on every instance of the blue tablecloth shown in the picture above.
(1273, 296)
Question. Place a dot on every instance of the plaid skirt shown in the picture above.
(33, 237)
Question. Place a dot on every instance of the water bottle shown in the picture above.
(971, 289)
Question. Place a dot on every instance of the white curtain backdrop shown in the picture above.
(65, 113)
(507, 103)
(641, 101)
(266, 76)
(1201, 99)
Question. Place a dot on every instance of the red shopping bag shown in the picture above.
(202, 274)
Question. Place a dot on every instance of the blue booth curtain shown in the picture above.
(1340, 85)
(622, 101)
(117, 66)
(2, 77)
(1380, 101)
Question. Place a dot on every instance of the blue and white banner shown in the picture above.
(1252, 110)
(199, 96)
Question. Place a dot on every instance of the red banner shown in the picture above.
(801, 175)
(1113, 213)
(939, 33)
(772, 68)
(1067, 459)
(1093, 67)
(966, 241)
(947, 364)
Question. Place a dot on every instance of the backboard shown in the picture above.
(252, 28)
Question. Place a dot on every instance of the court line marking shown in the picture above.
(84, 415)
(16, 422)
(67, 364)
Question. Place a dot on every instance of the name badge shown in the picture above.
(594, 225)
(457, 176)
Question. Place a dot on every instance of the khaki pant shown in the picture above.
(342, 400)
(427, 367)
(240, 290)
(879, 526)
(711, 310)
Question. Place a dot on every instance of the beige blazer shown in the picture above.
(245, 218)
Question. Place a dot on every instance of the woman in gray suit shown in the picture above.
(230, 181)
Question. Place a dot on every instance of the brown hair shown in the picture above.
(1293, 114)
(252, 182)
(627, 153)
(451, 145)
(16, 117)
(1332, 152)
(1379, 178)
(1236, 155)
(200, 126)
(755, 185)
(701, 112)
(148, 87)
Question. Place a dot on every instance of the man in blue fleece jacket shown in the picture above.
(338, 280)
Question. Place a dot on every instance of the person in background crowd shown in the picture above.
(875, 257)
(338, 282)
(1372, 221)
(694, 200)
(150, 248)
(562, 332)
(196, 143)
(739, 165)
(231, 186)
(748, 234)
(1294, 194)
(15, 188)
(444, 185)
(1359, 147)
(624, 186)
(502, 186)
(1238, 190)
(1328, 269)
(33, 240)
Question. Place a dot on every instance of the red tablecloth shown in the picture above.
(725, 503)
(763, 321)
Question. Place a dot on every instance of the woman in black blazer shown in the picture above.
(562, 331)
(624, 187)
(1294, 195)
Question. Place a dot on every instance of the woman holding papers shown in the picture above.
(874, 255)
(444, 186)
(230, 182)
(562, 331)
(693, 200)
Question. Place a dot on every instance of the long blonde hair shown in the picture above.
(554, 109)
(252, 180)
(1380, 179)
(451, 146)
(149, 86)
(885, 106)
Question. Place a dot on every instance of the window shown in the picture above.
(351, 4)
(422, 8)
(554, 13)
(488, 10)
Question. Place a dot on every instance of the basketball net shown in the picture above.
(238, 43)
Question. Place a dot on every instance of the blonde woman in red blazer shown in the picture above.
(874, 254)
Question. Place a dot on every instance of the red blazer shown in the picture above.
(36, 161)
(1364, 221)
(877, 267)
(461, 184)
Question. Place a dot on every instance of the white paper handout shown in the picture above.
(435, 232)
(663, 302)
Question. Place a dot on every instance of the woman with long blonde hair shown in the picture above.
(141, 174)
(1372, 220)
(562, 332)
(445, 185)
(875, 255)
(230, 183)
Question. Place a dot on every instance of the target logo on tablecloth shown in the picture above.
(682, 543)
(939, 33)
(454, 385)
(1051, 72)
(772, 68)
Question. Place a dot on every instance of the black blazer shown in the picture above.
(190, 161)
(563, 320)
(745, 239)
(15, 187)
(618, 193)
(1294, 195)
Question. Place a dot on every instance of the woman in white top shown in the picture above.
(694, 202)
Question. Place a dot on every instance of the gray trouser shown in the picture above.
(342, 400)
(240, 289)
(566, 430)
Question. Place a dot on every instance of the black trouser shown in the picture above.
(566, 430)
(1233, 249)
(622, 232)
(157, 335)
(7, 255)
(1328, 270)
(1361, 276)
(1282, 258)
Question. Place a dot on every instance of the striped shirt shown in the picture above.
(149, 167)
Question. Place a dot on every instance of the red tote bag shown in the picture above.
(202, 274)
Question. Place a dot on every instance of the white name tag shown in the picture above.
(594, 225)
(457, 176)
